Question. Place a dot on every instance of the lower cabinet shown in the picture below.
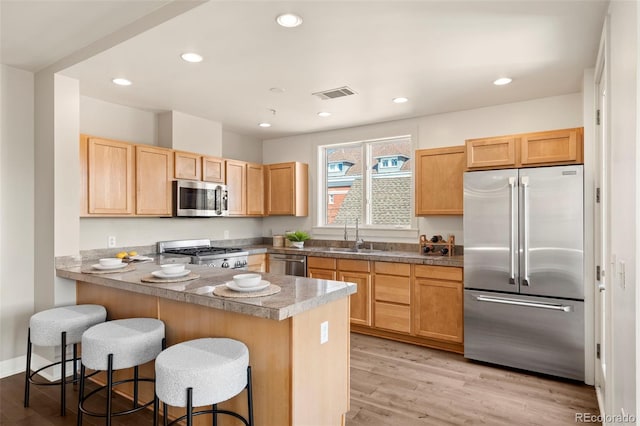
(392, 296)
(357, 271)
(257, 263)
(438, 303)
(321, 268)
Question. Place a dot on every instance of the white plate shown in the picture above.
(233, 286)
(140, 258)
(106, 268)
(164, 275)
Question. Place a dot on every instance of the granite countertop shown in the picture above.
(298, 294)
(377, 255)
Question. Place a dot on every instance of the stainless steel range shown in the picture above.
(202, 253)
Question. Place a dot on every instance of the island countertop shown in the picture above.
(298, 294)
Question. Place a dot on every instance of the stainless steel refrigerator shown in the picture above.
(523, 269)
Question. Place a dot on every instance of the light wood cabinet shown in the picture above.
(438, 183)
(357, 271)
(154, 173)
(110, 177)
(255, 189)
(187, 165)
(392, 295)
(257, 262)
(237, 187)
(322, 268)
(287, 189)
(555, 147)
(213, 169)
(439, 303)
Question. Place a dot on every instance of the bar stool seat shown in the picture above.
(60, 326)
(115, 345)
(204, 372)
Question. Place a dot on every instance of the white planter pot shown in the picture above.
(297, 244)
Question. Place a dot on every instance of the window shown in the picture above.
(369, 180)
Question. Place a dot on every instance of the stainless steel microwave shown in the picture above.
(199, 199)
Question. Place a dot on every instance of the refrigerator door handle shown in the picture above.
(541, 305)
(512, 237)
(525, 226)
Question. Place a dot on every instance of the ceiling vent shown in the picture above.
(340, 92)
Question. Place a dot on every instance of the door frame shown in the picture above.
(602, 230)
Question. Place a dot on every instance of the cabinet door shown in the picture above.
(154, 169)
(392, 317)
(281, 187)
(237, 187)
(255, 189)
(360, 301)
(561, 146)
(213, 169)
(438, 313)
(110, 175)
(439, 180)
(492, 153)
(187, 165)
(321, 274)
(257, 263)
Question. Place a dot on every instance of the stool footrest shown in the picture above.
(114, 384)
(210, 411)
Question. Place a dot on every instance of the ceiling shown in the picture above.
(442, 55)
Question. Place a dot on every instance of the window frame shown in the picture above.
(365, 216)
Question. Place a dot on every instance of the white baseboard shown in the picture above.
(600, 401)
(17, 365)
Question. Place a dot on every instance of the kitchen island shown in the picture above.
(297, 380)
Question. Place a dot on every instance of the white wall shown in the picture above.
(241, 147)
(16, 215)
(623, 120)
(185, 132)
(106, 119)
(431, 131)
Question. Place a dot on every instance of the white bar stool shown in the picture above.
(59, 327)
(115, 345)
(203, 372)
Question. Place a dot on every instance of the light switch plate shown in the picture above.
(111, 241)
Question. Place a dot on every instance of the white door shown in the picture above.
(604, 270)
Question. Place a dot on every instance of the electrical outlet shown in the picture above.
(226, 234)
(324, 332)
(111, 241)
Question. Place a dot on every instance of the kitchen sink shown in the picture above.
(352, 250)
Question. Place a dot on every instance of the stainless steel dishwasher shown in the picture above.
(288, 264)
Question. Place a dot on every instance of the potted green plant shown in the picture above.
(298, 238)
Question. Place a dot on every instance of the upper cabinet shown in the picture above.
(548, 148)
(439, 181)
(187, 165)
(213, 169)
(287, 189)
(109, 176)
(154, 174)
(255, 189)
(237, 187)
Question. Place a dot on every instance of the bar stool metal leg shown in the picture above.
(80, 394)
(165, 414)
(28, 370)
(109, 387)
(189, 406)
(63, 373)
(249, 396)
(214, 417)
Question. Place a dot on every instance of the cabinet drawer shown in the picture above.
(392, 289)
(321, 274)
(321, 262)
(389, 268)
(393, 317)
(353, 265)
(439, 272)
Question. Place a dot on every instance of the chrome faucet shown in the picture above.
(359, 242)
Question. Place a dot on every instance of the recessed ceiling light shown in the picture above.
(289, 20)
(324, 114)
(265, 125)
(191, 57)
(276, 90)
(502, 81)
(121, 82)
(400, 100)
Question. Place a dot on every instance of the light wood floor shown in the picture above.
(399, 384)
(391, 384)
